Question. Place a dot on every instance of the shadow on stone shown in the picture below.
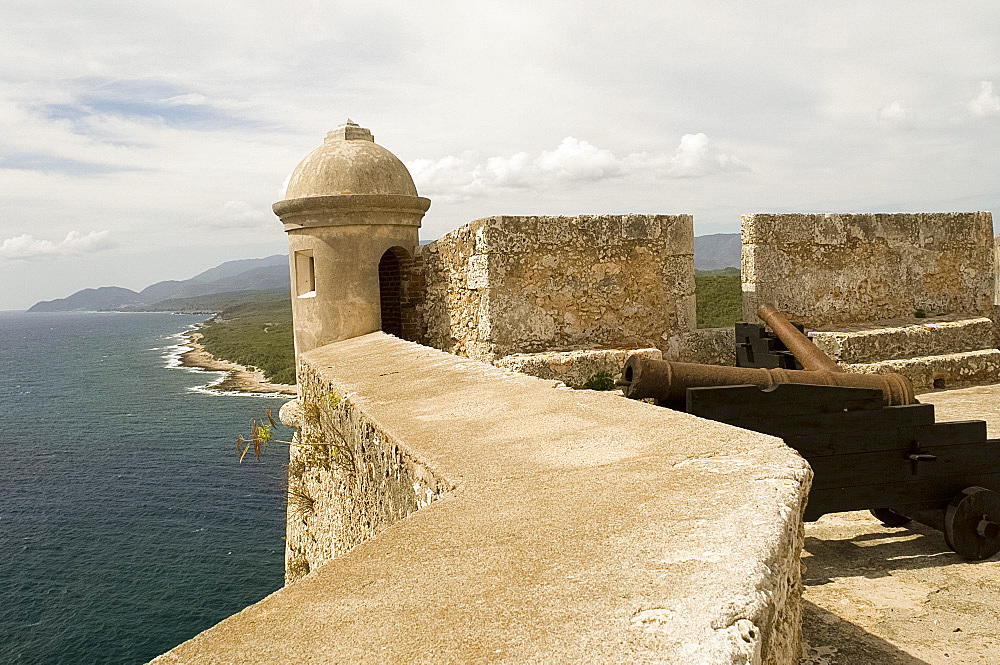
(877, 554)
(829, 640)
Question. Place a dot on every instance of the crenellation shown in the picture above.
(838, 269)
(503, 285)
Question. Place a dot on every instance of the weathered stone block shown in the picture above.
(996, 270)
(504, 285)
(907, 338)
(574, 368)
(848, 268)
(710, 346)
(952, 370)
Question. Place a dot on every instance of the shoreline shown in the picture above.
(237, 379)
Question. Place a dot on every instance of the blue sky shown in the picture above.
(147, 141)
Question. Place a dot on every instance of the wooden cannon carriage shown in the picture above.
(870, 443)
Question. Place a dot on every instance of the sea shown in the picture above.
(127, 523)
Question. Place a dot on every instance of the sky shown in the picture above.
(147, 141)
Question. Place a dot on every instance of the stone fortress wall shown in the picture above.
(569, 298)
(566, 298)
(996, 292)
(996, 264)
(443, 509)
(472, 514)
(903, 292)
(837, 269)
(504, 285)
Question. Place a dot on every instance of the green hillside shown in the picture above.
(719, 296)
(213, 303)
(257, 333)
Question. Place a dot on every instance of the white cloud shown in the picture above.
(986, 102)
(696, 156)
(578, 161)
(896, 113)
(25, 247)
(238, 214)
(190, 99)
(574, 161)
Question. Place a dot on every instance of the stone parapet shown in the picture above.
(905, 338)
(582, 368)
(996, 292)
(505, 285)
(710, 346)
(846, 268)
(569, 526)
(996, 270)
(952, 370)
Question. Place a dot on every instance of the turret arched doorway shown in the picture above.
(390, 287)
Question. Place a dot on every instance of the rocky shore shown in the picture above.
(238, 377)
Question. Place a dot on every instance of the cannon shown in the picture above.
(667, 382)
(871, 444)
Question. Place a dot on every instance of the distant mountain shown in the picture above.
(103, 298)
(717, 250)
(216, 302)
(241, 275)
(253, 279)
(233, 268)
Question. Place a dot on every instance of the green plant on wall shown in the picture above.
(260, 436)
(600, 381)
(322, 451)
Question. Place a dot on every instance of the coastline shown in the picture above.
(237, 379)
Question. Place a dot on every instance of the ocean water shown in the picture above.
(126, 524)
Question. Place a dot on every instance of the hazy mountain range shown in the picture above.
(243, 275)
(711, 252)
(718, 250)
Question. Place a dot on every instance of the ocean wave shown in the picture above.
(172, 357)
(208, 390)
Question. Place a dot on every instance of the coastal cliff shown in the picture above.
(239, 378)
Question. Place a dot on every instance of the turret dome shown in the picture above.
(349, 162)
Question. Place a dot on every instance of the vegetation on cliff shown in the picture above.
(258, 334)
(719, 296)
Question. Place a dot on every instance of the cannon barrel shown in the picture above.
(668, 382)
(808, 354)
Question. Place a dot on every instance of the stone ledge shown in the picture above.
(583, 527)
(574, 368)
(905, 338)
(952, 370)
(840, 268)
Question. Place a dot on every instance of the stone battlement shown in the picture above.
(504, 285)
(836, 269)
(441, 508)
(568, 526)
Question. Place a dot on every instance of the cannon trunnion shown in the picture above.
(870, 445)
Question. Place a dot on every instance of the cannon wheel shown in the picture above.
(889, 517)
(972, 523)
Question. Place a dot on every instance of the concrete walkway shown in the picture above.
(879, 595)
